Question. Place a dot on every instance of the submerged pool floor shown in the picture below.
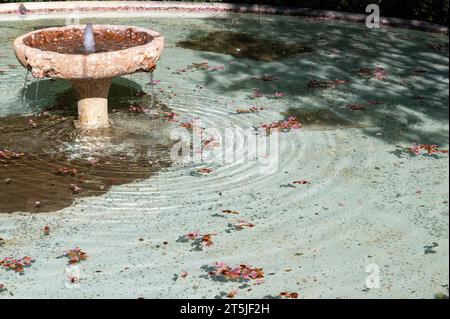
(358, 191)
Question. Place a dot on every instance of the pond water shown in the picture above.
(333, 197)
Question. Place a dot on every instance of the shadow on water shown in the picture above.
(322, 119)
(58, 95)
(414, 106)
(45, 164)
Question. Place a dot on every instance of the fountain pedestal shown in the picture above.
(92, 102)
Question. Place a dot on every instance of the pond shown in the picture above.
(340, 189)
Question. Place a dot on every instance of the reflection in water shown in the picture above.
(58, 95)
(322, 119)
(48, 164)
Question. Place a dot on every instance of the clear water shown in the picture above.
(368, 202)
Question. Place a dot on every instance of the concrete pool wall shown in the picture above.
(195, 7)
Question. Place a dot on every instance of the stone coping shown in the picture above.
(133, 6)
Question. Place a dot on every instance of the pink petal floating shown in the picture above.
(257, 94)
(16, 264)
(32, 123)
(380, 73)
(217, 68)
(75, 188)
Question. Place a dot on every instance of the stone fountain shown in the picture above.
(89, 57)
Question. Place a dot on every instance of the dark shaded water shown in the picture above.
(45, 164)
(241, 45)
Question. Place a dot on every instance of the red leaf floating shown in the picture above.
(205, 170)
(17, 265)
(284, 126)
(289, 295)
(243, 271)
(429, 148)
(75, 255)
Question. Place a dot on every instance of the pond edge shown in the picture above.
(199, 7)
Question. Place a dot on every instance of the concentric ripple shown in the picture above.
(47, 163)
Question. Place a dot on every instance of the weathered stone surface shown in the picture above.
(92, 102)
(100, 65)
(58, 53)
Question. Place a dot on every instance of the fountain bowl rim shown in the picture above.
(34, 58)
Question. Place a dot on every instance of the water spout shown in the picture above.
(88, 39)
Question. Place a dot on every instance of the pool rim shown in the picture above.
(201, 7)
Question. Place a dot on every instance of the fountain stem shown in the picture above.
(92, 102)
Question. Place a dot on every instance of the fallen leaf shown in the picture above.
(253, 109)
(228, 211)
(232, 293)
(284, 126)
(63, 171)
(75, 255)
(243, 224)
(240, 272)
(17, 265)
(289, 295)
(266, 77)
(75, 188)
(257, 94)
(204, 170)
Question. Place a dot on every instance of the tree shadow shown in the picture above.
(52, 163)
(196, 244)
(414, 104)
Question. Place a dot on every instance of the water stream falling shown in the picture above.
(150, 104)
(152, 89)
(24, 88)
(37, 92)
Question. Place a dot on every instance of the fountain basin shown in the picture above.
(59, 53)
